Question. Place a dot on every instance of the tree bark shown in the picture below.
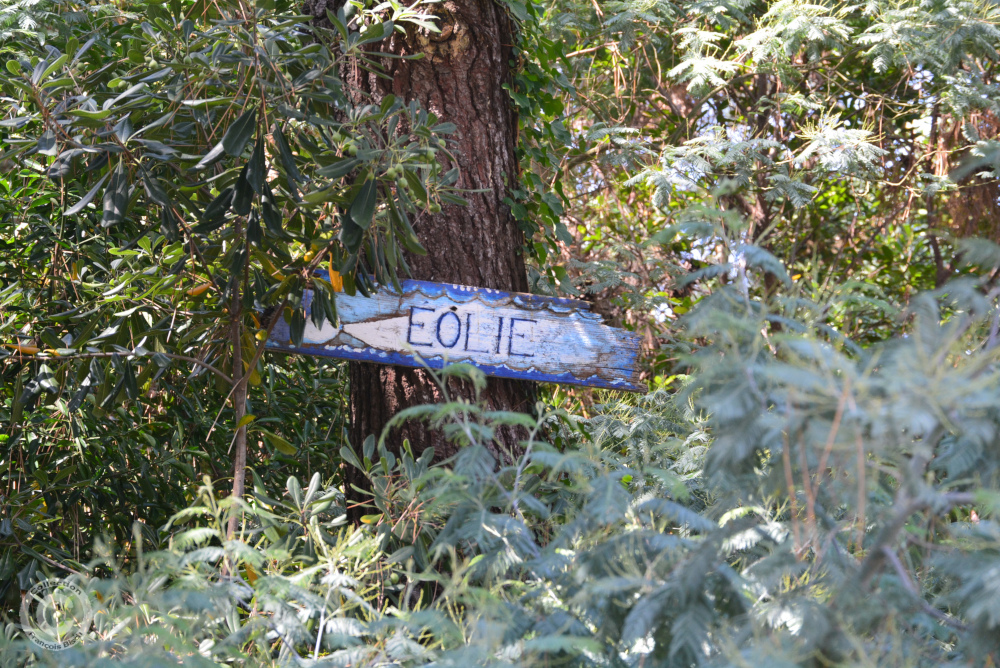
(460, 78)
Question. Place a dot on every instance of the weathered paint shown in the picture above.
(512, 335)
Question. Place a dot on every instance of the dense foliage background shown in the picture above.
(780, 197)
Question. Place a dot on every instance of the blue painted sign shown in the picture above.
(511, 335)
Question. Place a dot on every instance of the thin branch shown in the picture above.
(260, 351)
(786, 458)
(877, 555)
(590, 49)
(911, 587)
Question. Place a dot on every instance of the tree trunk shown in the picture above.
(460, 78)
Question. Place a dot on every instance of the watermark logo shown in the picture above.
(55, 613)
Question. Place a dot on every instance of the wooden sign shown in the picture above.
(511, 335)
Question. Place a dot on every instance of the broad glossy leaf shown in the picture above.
(38, 75)
(211, 157)
(351, 234)
(416, 185)
(156, 149)
(287, 159)
(338, 21)
(93, 115)
(46, 379)
(78, 207)
(123, 129)
(208, 102)
(363, 207)
(112, 104)
(256, 169)
(116, 197)
(218, 207)
(297, 326)
(155, 190)
(83, 49)
(131, 387)
(348, 455)
(339, 168)
(254, 233)
(47, 143)
(272, 215)
(406, 232)
(81, 393)
(16, 122)
(156, 76)
(240, 132)
(168, 225)
(376, 33)
(242, 194)
(63, 164)
(278, 443)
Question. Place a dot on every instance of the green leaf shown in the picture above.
(92, 115)
(294, 491)
(256, 169)
(110, 105)
(320, 306)
(339, 168)
(47, 144)
(278, 443)
(518, 9)
(363, 207)
(377, 33)
(272, 215)
(297, 326)
(312, 489)
(348, 455)
(16, 122)
(59, 62)
(123, 129)
(351, 234)
(155, 190)
(116, 198)
(406, 232)
(209, 102)
(334, 20)
(131, 386)
(46, 379)
(239, 133)
(168, 224)
(215, 213)
(211, 157)
(78, 207)
(254, 233)
(321, 196)
(416, 185)
(50, 339)
(245, 420)
(287, 159)
(242, 194)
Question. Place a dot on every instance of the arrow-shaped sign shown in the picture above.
(511, 335)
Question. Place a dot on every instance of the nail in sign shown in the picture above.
(511, 335)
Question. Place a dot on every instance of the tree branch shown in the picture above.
(911, 587)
